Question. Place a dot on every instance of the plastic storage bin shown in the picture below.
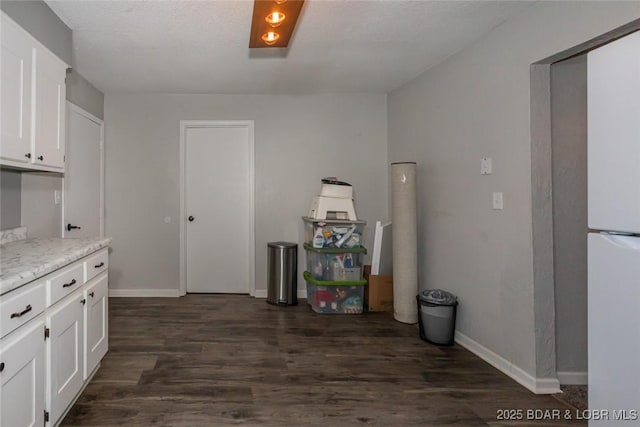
(335, 263)
(330, 233)
(337, 297)
(437, 316)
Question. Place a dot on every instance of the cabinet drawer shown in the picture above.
(63, 282)
(18, 309)
(96, 264)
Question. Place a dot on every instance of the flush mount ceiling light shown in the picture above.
(269, 14)
(275, 18)
(270, 37)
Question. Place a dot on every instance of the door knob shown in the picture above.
(191, 218)
(72, 227)
(40, 158)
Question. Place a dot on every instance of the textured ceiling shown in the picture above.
(202, 46)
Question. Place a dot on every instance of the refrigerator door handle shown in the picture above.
(623, 241)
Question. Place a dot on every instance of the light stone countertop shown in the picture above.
(12, 234)
(23, 261)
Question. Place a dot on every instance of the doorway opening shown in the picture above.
(557, 172)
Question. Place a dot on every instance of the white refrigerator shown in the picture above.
(614, 238)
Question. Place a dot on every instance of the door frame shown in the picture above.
(544, 285)
(184, 126)
(75, 109)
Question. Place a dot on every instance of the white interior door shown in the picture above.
(218, 216)
(84, 175)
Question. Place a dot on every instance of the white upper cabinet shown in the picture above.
(33, 102)
(15, 116)
(50, 107)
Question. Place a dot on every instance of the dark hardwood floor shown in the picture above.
(217, 360)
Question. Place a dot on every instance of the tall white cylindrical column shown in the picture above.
(405, 241)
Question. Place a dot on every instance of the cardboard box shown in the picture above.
(378, 294)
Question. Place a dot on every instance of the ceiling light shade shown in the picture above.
(275, 18)
(270, 37)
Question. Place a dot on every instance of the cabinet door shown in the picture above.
(65, 354)
(95, 323)
(50, 93)
(22, 377)
(15, 96)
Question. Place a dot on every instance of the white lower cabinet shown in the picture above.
(48, 352)
(22, 375)
(96, 333)
(65, 353)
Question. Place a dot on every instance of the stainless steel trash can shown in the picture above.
(282, 283)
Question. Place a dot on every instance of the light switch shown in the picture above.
(498, 202)
(486, 166)
(57, 197)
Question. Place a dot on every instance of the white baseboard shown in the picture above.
(536, 385)
(262, 293)
(573, 378)
(175, 293)
(148, 293)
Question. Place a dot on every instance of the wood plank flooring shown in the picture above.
(218, 360)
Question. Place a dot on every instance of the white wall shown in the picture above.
(82, 93)
(298, 140)
(40, 214)
(41, 22)
(476, 104)
(10, 201)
